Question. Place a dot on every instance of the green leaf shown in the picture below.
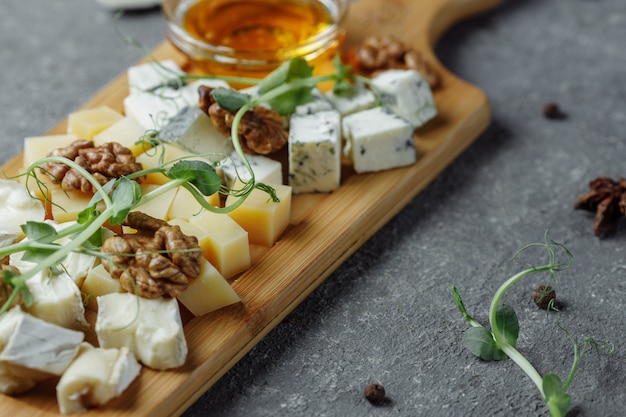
(39, 232)
(481, 343)
(124, 197)
(37, 255)
(343, 85)
(507, 324)
(292, 70)
(198, 173)
(557, 399)
(231, 100)
(458, 301)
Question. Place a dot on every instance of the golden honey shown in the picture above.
(252, 37)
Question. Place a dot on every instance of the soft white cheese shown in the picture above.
(150, 328)
(32, 349)
(315, 152)
(95, 376)
(378, 139)
(407, 94)
(17, 207)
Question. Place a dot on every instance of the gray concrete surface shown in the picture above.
(386, 315)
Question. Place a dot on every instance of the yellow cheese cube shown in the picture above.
(152, 159)
(37, 147)
(224, 242)
(99, 282)
(208, 292)
(160, 206)
(185, 205)
(127, 132)
(89, 122)
(263, 219)
(65, 205)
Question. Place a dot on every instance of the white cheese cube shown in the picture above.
(378, 139)
(57, 300)
(315, 152)
(265, 169)
(95, 376)
(17, 207)
(150, 328)
(407, 94)
(153, 112)
(144, 77)
(32, 349)
(361, 99)
(193, 129)
(319, 103)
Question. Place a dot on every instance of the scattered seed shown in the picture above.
(552, 111)
(375, 393)
(542, 295)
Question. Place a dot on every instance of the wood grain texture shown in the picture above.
(325, 229)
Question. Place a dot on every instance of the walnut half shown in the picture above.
(261, 130)
(157, 261)
(105, 162)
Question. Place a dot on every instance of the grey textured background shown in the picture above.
(386, 315)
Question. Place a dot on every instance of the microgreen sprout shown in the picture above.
(500, 342)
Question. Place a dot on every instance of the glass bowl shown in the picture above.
(250, 38)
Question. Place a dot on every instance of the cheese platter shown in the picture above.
(324, 228)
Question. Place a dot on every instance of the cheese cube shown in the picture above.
(208, 292)
(57, 299)
(166, 154)
(150, 328)
(38, 147)
(94, 377)
(66, 205)
(407, 94)
(127, 132)
(89, 122)
(151, 75)
(32, 349)
(315, 152)
(159, 206)
(263, 219)
(319, 103)
(224, 241)
(99, 282)
(265, 169)
(184, 205)
(378, 139)
(361, 99)
(193, 129)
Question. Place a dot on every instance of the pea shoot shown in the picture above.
(500, 342)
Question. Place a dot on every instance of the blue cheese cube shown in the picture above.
(265, 169)
(193, 129)
(407, 94)
(318, 103)
(315, 152)
(361, 99)
(378, 139)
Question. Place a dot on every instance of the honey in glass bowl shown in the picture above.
(250, 38)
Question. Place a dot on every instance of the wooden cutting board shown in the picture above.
(325, 229)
